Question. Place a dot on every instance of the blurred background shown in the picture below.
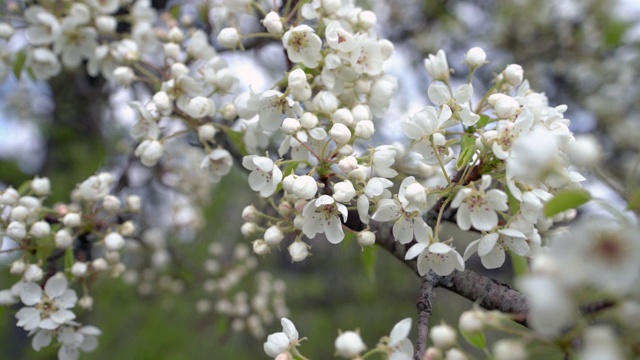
(585, 54)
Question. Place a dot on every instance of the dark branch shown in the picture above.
(425, 306)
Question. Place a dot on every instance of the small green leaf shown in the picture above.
(569, 199)
(475, 338)
(369, 261)
(484, 120)
(69, 259)
(514, 204)
(175, 11)
(468, 145)
(18, 64)
(634, 200)
(519, 264)
(236, 137)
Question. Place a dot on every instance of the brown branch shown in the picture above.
(489, 293)
(425, 307)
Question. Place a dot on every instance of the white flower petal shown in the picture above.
(30, 293)
(415, 250)
(400, 331)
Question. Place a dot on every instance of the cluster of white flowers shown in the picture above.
(348, 345)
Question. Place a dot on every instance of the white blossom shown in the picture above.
(323, 216)
(264, 176)
(280, 342)
(478, 208)
(437, 66)
(217, 164)
(303, 45)
(46, 309)
(349, 344)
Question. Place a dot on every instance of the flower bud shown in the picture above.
(326, 102)
(199, 107)
(248, 229)
(505, 106)
(386, 48)
(86, 302)
(365, 129)
(33, 273)
(509, 349)
(111, 203)
(206, 133)
(171, 51)
(471, 321)
(585, 151)
(150, 152)
(123, 75)
(128, 228)
(513, 74)
(340, 133)
(348, 164)
(309, 120)
(79, 269)
(433, 353)
(475, 57)
(16, 231)
(17, 267)
(163, 102)
(41, 186)
(40, 229)
(260, 247)
(273, 235)
(456, 354)
(106, 24)
(443, 336)
(229, 112)
(343, 116)
(361, 112)
(284, 209)
(330, 6)
(71, 220)
(229, 37)
(366, 238)
(305, 187)
(344, 191)
(114, 241)
(249, 213)
(367, 19)
(63, 239)
(290, 126)
(272, 23)
(134, 203)
(99, 264)
(179, 69)
(6, 30)
(9, 197)
(437, 66)
(349, 344)
(175, 35)
(298, 251)
(19, 213)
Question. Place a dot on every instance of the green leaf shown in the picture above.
(484, 120)
(565, 200)
(175, 11)
(18, 65)
(519, 264)
(475, 338)
(236, 138)
(369, 261)
(634, 200)
(514, 204)
(69, 259)
(468, 144)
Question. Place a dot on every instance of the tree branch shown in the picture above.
(425, 306)
(489, 293)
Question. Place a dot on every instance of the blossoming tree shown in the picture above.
(497, 164)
